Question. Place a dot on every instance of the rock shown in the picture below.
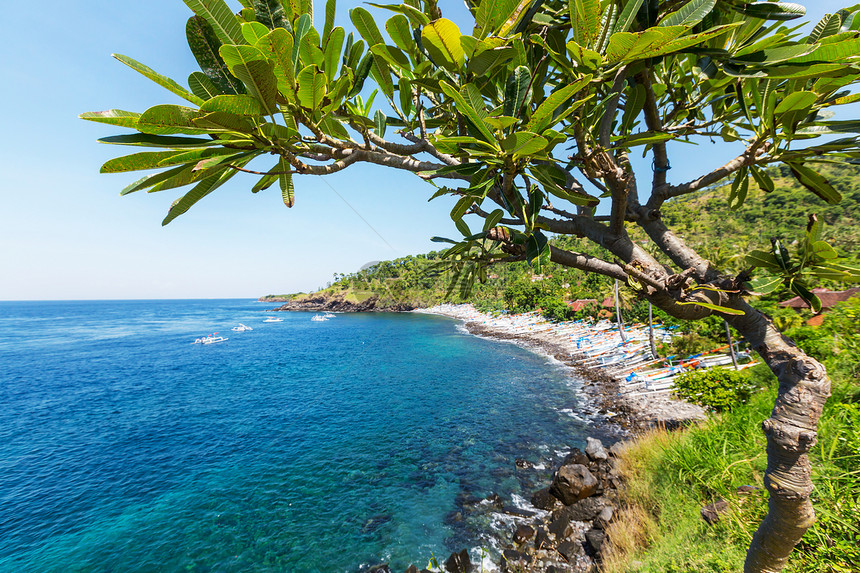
(522, 464)
(514, 561)
(594, 450)
(381, 568)
(583, 510)
(712, 512)
(560, 527)
(459, 563)
(542, 539)
(603, 518)
(496, 500)
(412, 569)
(616, 449)
(746, 489)
(595, 539)
(543, 499)
(513, 510)
(572, 483)
(523, 533)
(575, 457)
(569, 550)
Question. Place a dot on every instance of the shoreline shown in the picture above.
(632, 414)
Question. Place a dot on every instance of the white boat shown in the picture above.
(328, 315)
(273, 319)
(318, 318)
(241, 328)
(210, 339)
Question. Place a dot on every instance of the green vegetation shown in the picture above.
(716, 388)
(671, 475)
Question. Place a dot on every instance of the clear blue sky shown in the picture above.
(65, 233)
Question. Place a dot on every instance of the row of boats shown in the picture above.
(628, 360)
(214, 338)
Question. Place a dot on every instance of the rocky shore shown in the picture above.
(322, 302)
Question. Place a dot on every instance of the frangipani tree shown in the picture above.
(530, 119)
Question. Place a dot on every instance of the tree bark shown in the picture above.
(791, 431)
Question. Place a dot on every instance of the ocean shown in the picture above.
(298, 446)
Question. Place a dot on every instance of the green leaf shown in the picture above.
(523, 143)
(145, 140)
(169, 119)
(689, 14)
(137, 161)
(417, 17)
(225, 121)
(441, 38)
(400, 32)
(796, 101)
(472, 95)
(218, 15)
(257, 73)
(380, 121)
(163, 81)
(493, 219)
(237, 104)
(764, 284)
(808, 296)
(201, 86)
(113, 117)
(739, 189)
(464, 108)
(510, 23)
(516, 91)
(537, 250)
(769, 10)
(827, 26)
(762, 259)
(199, 191)
(253, 31)
(333, 48)
(761, 177)
(204, 45)
(815, 183)
(277, 46)
(627, 16)
(311, 87)
(545, 115)
(366, 26)
(330, 11)
(646, 138)
(285, 179)
(151, 180)
(585, 21)
(271, 14)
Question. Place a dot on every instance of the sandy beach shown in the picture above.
(563, 341)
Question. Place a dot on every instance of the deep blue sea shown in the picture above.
(299, 446)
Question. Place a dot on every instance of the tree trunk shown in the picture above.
(791, 431)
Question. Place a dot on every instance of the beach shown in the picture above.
(632, 411)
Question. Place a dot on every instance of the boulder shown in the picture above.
(583, 510)
(603, 518)
(523, 534)
(575, 457)
(560, 527)
(572, 483)
(711, 513)
(569, 550)
(542, 539)
(543, 499)
(381, 568)
(595, 539)
(459, 563)
(616, 449)
(514, 561)
(594, 450)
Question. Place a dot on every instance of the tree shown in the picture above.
(531, 118)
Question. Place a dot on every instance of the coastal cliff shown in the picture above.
(326, 302)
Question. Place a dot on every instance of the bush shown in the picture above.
(555, 309)
(716, 388)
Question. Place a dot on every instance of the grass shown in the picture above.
(670, 476)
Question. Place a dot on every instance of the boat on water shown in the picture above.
(241, 328)
(210, 339)
(329, 315)
(318, 318)
(273, 319)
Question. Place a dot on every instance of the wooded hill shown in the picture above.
(704, 220)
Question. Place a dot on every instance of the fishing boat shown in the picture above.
(241, 328)
(210, 339)
(273, 319)
(328, 315)
(318, 318)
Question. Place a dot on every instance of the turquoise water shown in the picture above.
(299, 446)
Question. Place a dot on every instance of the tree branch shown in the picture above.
(609, 115)
(586, 263)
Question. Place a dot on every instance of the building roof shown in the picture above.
(828, 298)
(581, 303)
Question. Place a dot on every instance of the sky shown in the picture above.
(66, 234)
